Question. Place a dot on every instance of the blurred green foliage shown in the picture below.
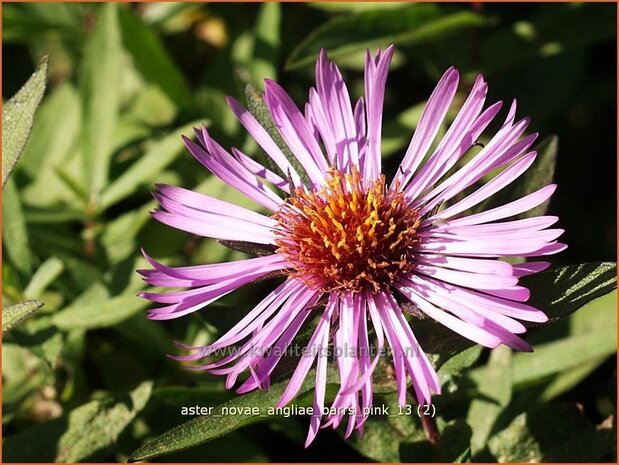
(85, 377)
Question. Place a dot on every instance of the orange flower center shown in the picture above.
(347, 236)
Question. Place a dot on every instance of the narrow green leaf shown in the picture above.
(593, 336)
(203, 395)
(18, 116)
(61, 214)
(14, 232)
(352, 33)
(553, 433)
(567, 353)
(208, 427)
(43, 277)
(150, 336)
(89, 313)
(14, 314)
(100, 85)
(540, 174)
(171, 18)
(41, 338)
(561, 291)
(22, 375)
(150, 108)
(148, 166)
(567, 379)
(54, 133)
(71, 183)
(84, 434)
(266, 43)
(494, 393)
(356, 6)
(119, 237)
(153, 60)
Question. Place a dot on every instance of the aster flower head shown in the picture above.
(353, 245)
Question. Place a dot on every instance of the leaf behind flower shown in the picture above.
(205, 428)
(18, 116)
(349, 34)
(82, 434)
(14, 314)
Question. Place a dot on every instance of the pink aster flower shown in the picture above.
(348, 242)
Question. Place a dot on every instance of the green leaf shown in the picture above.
(539, 174)
(356, 6)
(14, 232)
(171, 18)
(552, 433)
(150, 108)
(452, 447)
(566, 380)
(493, 395)
(575, 351)
(94, 309)
(353, 33)
(34, 21)
(72, 183)
(459, 362)
(41, 338)
(119, 237)
(149, 165)
(561, 291)
(593, 337)
(14, 314)
(18, 116)
(208, 427)
(100, 86)
(54, 133)
(82, 435)
(147, 334)
(22, 375)
(43, 277)
(153, 60)
(266, 43)
(61, 214)
(384, 433)
(203, 395)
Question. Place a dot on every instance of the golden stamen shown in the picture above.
(346, 236)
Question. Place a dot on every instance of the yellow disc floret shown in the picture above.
(347, 236)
